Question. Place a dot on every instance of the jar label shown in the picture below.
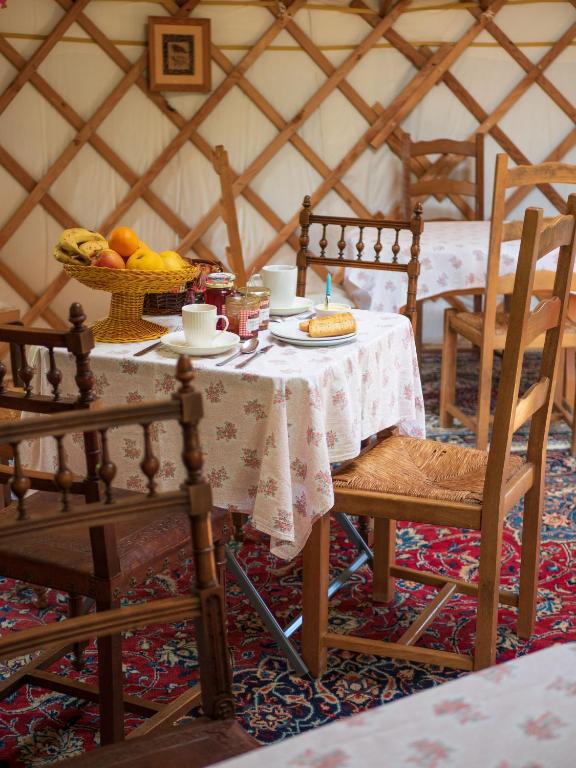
(252, 323)
(264, 314)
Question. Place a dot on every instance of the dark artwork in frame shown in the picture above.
(179, 54)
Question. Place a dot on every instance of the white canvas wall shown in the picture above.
(35, 134)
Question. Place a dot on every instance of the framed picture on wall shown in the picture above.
(179, 54)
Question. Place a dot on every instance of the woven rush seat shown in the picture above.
(409, 466)
(475, 320)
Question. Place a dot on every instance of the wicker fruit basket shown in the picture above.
(128, 288)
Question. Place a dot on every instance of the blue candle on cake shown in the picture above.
(328, 289)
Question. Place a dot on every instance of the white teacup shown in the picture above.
(199, 322)
(280, 279)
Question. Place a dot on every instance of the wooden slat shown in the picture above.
(443, 146)
(443, 186)
(543, 317)
(395, 651)
(99, 624)
(79, 690)
(530, 402)
(557, 232)
(418, 627)
(434, 580)
(168, 713)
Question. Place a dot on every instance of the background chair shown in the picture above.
(338, 226)
(204, 605)
(434, 179)
(99, 564)
(488, 330)
(446, 485)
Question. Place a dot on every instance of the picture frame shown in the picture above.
(179, 54)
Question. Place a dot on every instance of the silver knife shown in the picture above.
(258, 352)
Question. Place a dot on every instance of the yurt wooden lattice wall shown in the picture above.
(307, 98)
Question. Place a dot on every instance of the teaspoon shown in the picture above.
(246, 348)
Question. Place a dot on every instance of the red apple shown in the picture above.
(111, 259)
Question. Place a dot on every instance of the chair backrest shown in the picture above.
(539, 237)
(79, 342)
(338, 225)
(205, 602)
(434, 177)
(228, 212)
(506, 178)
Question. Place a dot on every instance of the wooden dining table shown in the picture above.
(271, 431)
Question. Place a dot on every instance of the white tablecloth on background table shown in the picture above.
(453, 257)
(516, 715)
(269, 431)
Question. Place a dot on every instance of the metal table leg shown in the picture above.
(281, 636)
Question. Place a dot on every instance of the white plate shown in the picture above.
(289, 331)
(176, 341)
(333, 341)
(301, 304)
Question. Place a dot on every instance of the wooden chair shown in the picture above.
(410, 268)
(212, 741)
(441, 484)
(98, 564)
(435, 180)
(488, 330)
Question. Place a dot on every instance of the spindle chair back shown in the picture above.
(339, 225)
(204, 604)
(426, 481)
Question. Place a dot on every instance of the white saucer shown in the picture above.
(290, 332)
(300, 304)
(176, 341)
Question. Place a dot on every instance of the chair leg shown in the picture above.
(75, 608)
(488, 589)
(530, 559)
(570, 392)
(315, 596)
(383, 585)
(484, 394)
(110, 682)
(448, 370)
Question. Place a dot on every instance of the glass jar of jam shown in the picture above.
(243, 313)
(217, 287)
(264, 299)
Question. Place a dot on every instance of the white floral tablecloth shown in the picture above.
(271, 430)
(515, 715)
(453, 257)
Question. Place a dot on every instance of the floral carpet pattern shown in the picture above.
(38, 727)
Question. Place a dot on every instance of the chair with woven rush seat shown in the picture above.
(97, 564)
(424, 481)
(435, 179)
(192, 503)
(487, 330)
(414, 225)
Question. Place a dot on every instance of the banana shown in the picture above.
(79, 246)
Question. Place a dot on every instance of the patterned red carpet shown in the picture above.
(38, 727)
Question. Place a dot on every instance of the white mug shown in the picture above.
(280, 279)
(199, 322)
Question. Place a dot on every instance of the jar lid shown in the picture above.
(256, 290)
(220, 279)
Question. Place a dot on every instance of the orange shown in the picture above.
(124, 241)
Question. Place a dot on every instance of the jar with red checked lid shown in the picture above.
(243, 313)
